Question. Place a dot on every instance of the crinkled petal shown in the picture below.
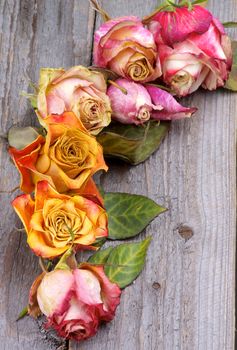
(175, 26)
(24, 207)
(171, 108)
(54, 292)
(110, 292)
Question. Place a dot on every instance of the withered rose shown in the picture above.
(193, 47)
(67, 157)
(125, 46)
(75, 302)
(142, 103)
(78, 90)
(54, 221)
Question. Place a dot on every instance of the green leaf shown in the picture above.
(20, 137)
(230, 24)
(101, 256)
(126, 261)
(231, 83)
(129, 214)
(132, 143)
(22, 314)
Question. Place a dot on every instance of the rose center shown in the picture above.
(138, 70)
(61, 221)
(70, 150)
(181, 78)
(143, 114)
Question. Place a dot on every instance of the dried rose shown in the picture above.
(54, 221)
(128, 48)
(75, 302)
(142, 103)
(78, 90)
(193, 47)
(67, 157)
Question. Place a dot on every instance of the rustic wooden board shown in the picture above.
(185, 297)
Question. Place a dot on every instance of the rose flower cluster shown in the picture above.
(174, 51)
(65, 212)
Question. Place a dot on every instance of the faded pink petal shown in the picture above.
(79, 322)
(175, 26)
(209, 43)
(55, 105)
(54, 292)
(110, 294)
(87, 287)
(171, 108)
(104, 29)
(125, 108)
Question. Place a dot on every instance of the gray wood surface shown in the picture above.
(184, 298)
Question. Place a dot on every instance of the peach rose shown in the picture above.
(78, 90)
(67, 157)
(54, 221)
(128, 48)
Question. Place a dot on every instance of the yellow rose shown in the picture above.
(54, 221)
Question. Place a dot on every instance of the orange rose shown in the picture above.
(54, 221)
(67, 157)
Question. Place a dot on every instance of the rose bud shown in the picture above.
(75, 302)
(195, 50)
(78, 90)
(54, 221)
(125, 46)
(67, 157)
(142, 103)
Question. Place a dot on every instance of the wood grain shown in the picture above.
(184, 298)
(33, 34)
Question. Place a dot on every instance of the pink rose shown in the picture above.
(75, 302)
(77, 90)
(142, 103)
(128, 48)
(193, 47)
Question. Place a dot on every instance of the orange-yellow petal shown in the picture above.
(40, 247)
(24, 207)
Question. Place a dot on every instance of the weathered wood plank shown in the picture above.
(33, 34)
(193, 174)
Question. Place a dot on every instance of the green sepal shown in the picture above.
(107, 73)
(230, 24)
(23, 313)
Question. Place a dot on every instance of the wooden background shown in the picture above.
(184, 298)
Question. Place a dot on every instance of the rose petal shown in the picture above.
(171, 108)
(24, 207)
(110, 293)
(175, 26)
(87, 287)
(54, 292)
(27, 155)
